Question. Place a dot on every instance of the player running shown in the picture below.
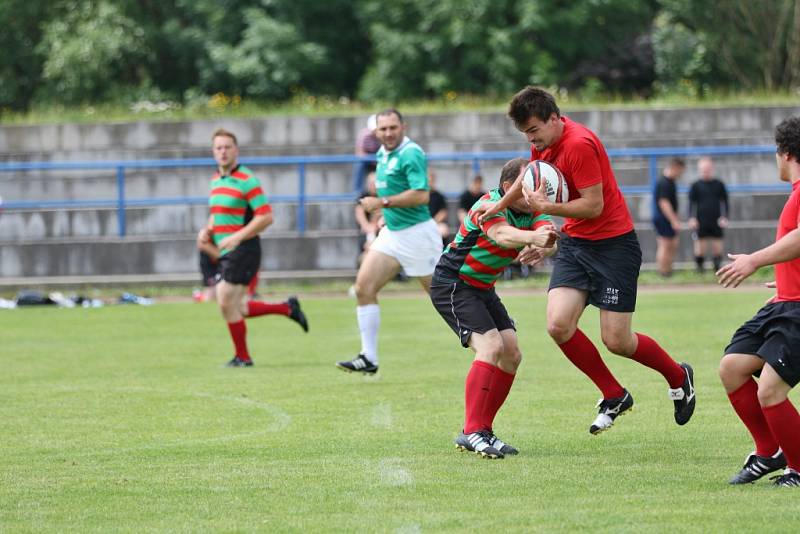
(768, 345)
(598, 259)
(409, 240)
(239, 213)
(463, 293)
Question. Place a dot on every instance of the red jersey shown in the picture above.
(582, 159)
(787, 274)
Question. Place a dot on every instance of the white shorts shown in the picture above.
(417, 247)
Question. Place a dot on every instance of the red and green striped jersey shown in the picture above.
(235, 198)
(477, 259)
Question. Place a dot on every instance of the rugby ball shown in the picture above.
(555, 186)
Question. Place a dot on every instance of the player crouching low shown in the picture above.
(462, 291)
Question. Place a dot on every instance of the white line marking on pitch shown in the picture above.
(280, 419)
(382, 416)
(392, 473)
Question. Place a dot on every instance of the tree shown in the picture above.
(755, 44)
(21, 64)
(90, 49)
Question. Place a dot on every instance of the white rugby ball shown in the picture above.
(555, 186)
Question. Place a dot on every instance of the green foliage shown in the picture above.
(68, 52)
(91, 49)
(737, 43)
(20, 63)
(268, 62)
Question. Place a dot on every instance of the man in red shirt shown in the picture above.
(598, 259)
(768, 345)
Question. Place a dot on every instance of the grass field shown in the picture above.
(121, 419)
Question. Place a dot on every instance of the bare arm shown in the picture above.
(363, 220)
(441, 215)
(257, 224)
(406, 199)
(508, 236)
(743, 265)
(587, 206)
(669, 213)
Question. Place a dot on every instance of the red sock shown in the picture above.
(251, 287)
(651, 355)
(745, 403)
(584, 355)
(476, 394)
(498, 392)
(784, 421)
(239, 336)
(257, 307)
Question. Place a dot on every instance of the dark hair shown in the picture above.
(787, 138)
(388, 112)
(676, 162)
(511, 171)
(222, 132)
(532, 102)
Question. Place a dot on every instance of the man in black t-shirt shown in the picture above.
(470, 196)
(665, 215)
(708, 211)
(437, 205)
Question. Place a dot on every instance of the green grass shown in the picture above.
(121, 419)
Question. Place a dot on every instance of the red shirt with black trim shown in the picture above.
(787, 274)
(583, 161)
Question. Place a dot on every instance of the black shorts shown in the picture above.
(241, 264)
(709, 228)
(208, 269)
(773, 335)
(608, 269)
(467, 309)
(663, 227)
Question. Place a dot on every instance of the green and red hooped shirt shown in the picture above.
(478, 260)
(235, 198)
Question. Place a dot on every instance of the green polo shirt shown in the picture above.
(404, 168)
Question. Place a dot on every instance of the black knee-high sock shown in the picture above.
(699, 261)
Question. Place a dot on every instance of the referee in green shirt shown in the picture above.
(408, 240)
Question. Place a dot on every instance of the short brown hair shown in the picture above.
(388, 112)
(511, 171)
(222, 132)
(532, 102)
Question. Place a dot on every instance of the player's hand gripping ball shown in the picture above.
(555, 186)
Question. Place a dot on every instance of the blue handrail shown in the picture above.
(121, 202)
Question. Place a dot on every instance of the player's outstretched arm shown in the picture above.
(487, 210)
(743, 265)
(508, 236)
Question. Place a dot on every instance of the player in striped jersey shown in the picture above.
(239, 213)
(462, 291)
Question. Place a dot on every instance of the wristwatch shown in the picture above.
(385, 202)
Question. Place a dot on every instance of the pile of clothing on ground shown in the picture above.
(29, 297)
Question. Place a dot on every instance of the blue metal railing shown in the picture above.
(121, 202)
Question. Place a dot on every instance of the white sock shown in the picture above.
(369, 321)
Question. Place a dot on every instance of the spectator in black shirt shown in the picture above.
(437, 205)
(708, 210)
(665, 215)
(470, 196)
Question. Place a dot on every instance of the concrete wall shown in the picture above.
(159, 239)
